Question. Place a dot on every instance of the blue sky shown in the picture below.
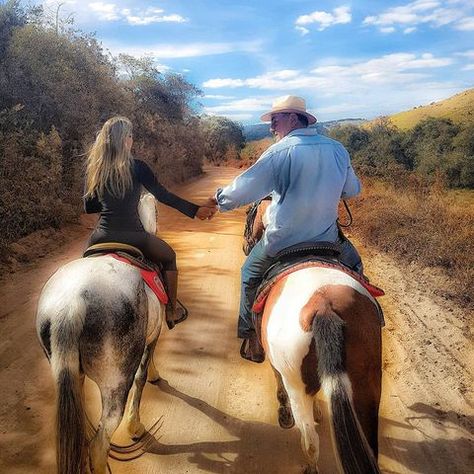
(347, 59)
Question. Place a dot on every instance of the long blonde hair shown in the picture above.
(109, 162)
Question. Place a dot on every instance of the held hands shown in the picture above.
(204, 213)
(208, 209)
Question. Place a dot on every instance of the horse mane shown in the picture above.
(250, 219)
(147, 212)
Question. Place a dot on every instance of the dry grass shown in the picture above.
(458, 108)
(433, 228)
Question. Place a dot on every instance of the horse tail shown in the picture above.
(70, 415)
(354, 452)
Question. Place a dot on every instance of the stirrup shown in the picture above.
(184, 315)
(172, 323)
(248, 354)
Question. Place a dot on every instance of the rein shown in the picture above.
(349, 222)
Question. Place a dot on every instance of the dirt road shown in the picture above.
(219, 411)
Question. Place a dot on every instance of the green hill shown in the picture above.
(459, 108)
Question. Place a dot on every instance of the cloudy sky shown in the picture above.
(348, 59)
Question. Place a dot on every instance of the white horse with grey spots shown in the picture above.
(96, 317)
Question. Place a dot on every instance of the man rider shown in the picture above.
(306, 175)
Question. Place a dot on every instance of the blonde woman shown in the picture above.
(114, 180)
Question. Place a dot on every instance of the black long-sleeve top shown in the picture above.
(121, 214)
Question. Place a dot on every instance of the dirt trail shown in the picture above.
(219, 412)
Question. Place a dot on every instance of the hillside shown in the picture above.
(258, 131)
(459, 108)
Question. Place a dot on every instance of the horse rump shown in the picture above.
(354, 453)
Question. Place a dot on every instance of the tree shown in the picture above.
(223, 136)
(429, 142)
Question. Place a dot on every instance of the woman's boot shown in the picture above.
(174, 315)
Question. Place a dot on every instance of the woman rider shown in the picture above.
(114, 181)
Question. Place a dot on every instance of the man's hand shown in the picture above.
(211, 202)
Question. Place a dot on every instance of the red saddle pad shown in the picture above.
(261, 298)
(151, 278)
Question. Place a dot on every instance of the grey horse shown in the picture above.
(96, 317)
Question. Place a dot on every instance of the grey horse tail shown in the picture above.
(70, 415)
(354, 453)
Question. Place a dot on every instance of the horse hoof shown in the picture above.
(285, 418)
(317, 413)
(310, 470)
(137, 431)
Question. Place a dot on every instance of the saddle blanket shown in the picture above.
(264, 290)
(150, 277)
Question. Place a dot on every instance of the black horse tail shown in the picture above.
(70, 415)
(354, 453)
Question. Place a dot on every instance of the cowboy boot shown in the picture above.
(252, 350)
(173, 315)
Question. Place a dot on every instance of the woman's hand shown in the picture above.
(205, 212)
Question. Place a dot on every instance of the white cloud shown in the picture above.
(241, 106)
(136, 17)
(430, 12)
(218, 97)
(387, 29)
(304, 31)
(179, 50)
(466, 24)
(467, 54)
(385, 84)
(241, 109)
(105, 11)
(398, 68)
(409, 30)
(469, 67)
(339, 15)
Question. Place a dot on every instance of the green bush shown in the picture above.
(435, 150)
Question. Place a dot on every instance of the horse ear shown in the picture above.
(147, 212)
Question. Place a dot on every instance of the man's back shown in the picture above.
(311, 173)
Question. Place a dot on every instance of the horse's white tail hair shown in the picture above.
(354, 453)
(70, 416)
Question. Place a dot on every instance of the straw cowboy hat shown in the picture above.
(289, 103)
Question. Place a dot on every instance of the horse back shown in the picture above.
(97, 306)
(299, 298)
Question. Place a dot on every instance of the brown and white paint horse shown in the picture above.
(321, 329)
(96, 317)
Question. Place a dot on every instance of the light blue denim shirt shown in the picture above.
(306, 174)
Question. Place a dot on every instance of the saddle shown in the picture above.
(150, 272)
(297, 257)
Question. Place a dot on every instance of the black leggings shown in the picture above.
(154, 249)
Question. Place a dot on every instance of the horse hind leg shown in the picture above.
(153, 374)
(114, 400)
(302, 407)
(285, 415)
(134, 425)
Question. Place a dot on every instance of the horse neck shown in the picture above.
(147, 212)
(259, 223)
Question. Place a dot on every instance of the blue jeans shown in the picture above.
(253, 269)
